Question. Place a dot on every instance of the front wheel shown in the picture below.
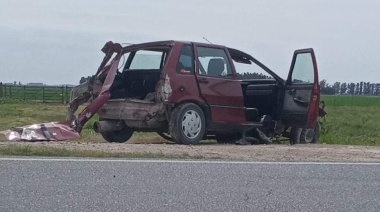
(187, 124)
(305, 135)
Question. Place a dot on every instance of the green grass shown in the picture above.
(16, 114)
(360, 101)
(351, 120)
(18, 150)
(351, 125)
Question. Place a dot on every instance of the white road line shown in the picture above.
(178, 161)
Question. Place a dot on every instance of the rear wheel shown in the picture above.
(187, 124)
(119, 136)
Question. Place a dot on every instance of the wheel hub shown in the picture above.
(191, 124)
(309, 135)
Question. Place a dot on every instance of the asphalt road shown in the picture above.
(43, 184)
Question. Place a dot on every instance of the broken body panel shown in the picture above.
(52, 131)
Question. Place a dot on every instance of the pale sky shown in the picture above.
(58, 42)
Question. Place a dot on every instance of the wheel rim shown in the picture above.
(191, 124)
(309, 135)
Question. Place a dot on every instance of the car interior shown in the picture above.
(139, 76)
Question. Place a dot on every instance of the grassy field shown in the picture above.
(350, 120)
(360, 101)
(16, 114)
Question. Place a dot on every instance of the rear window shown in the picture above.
(144, 59)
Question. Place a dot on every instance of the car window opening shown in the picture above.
(140, 74)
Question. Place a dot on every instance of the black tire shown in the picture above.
(305, 135)
(119, 136)
(295, 135)
(310, 136)
(165, 136)
(187, 124)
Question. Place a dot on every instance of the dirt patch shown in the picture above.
(275, 152)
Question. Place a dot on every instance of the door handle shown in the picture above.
(299, 101)
(202, 80)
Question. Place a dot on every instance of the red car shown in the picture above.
(188, 91)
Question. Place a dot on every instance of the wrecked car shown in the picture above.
(188, 91)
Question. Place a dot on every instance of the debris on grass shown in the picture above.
(51, 131)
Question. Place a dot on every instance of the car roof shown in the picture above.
(236, 55)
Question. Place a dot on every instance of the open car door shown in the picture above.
(302, 92)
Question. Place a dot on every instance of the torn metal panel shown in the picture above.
(79, 95)
(52, 131)
(166, 88)
(135, 113)
(101, 94)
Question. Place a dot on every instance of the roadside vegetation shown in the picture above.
(350, 120)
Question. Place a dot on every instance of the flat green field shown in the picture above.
(350, 120)
(361, 101)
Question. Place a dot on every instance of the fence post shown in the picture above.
(62, 94)
(65, 92)
(43, 93)
(10, 91)
(1, 89)
(5, 91)
(23, 94)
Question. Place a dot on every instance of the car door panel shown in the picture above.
(301, 91)
(219, 89)
(296, 104)
(225, 98)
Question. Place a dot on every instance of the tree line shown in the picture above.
(344, 88)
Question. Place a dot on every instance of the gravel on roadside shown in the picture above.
(273, 152)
